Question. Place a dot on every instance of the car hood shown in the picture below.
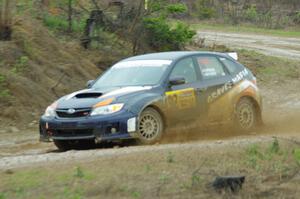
(89, 97)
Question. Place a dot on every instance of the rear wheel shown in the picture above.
(151, 126)
(65, 145)
(246, 115)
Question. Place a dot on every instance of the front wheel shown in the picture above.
(150, 126)
(245, 115)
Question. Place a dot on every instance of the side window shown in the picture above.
(230, 65)
(185, 68)
(210, 67)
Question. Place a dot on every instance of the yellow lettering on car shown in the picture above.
(182, 99)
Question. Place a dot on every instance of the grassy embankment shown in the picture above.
(270, 167)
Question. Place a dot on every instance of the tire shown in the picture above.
(245, 116)
(65, 145)
(150, 127)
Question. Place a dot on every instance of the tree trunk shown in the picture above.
(6, 15)
(70, 16)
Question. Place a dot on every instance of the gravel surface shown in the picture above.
(269, 45)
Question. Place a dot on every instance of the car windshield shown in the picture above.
(133, 73)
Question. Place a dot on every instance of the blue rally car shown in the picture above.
(140, 96)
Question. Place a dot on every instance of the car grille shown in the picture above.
(63, 113)
(73, 132)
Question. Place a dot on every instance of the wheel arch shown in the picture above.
(159, 110)
(256, 104)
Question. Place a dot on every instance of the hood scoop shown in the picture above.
(88, 95)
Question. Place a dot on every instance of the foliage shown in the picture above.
(177, 8)
(296, 18)
(297, 155)
(160, 34)
(21, 64)
(204, 10)
(78, 173)
(251, 14)
(59, 23)
(4, 93)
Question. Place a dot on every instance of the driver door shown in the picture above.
(181, 99)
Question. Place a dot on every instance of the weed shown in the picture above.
(170, 158)
(274, 148)
(2, 195)
(21, 64)
(136, 194)
(196, 180)
(59, 23)
(163, 179)
(20, 191)
(4, 93)
(78, 173)
(296, 154)
(72, 194)
(147, 168)
(254, 155)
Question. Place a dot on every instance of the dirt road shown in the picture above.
(269, 45)
(281, 117)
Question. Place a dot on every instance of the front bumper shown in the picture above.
(100, 128)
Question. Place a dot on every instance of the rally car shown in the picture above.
(139, 97)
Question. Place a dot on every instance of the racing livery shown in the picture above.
(139, 97)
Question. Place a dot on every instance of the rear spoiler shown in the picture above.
(233, 55)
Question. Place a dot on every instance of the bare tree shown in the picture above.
(70, 15)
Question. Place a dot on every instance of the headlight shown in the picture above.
(104, 110)
(50, 111)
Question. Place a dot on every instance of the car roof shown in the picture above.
(175, 55)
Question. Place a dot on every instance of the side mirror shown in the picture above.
(90, 83)
(177, 81)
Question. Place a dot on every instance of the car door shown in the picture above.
(181, 99)
(215, 83)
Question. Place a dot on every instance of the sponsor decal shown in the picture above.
(220, 91)
(240, 76)
(182, 99)
(229, 85)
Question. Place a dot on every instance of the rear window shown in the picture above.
(232, 67)
(210, 67)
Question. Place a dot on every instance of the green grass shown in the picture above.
(268, 67)
(292, 32)
(4, 92)
(128, 178)
(59, 23)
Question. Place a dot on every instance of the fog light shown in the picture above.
(113, 130)
(131, 125)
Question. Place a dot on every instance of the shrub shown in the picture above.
(177, 8)
(163, 37)
(59, 23)
(4, 93)
(160, 34)
(55, 23)
(21, 64)
(251, 14)
(296, 18)
(204, 10)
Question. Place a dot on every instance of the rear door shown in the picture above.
(215, 83)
